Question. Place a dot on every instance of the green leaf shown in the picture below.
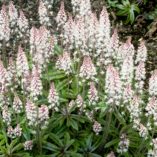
(121, 7)
(74, 124)
(56, 139)
(69, 144)
(126, 2)
(52, 155)
(63, 100)
(66, 137)
(112, 3)
(42, 101)
(119, 117)
(62, 84)
(128, 10)
(111, 143)
(79, 118)
(22, 154)
(94, 155)
(5, 137)
(68, 121)
(136, 8)
(61, 120)
(96, 144)
(26, 132)
(74, 154)
(1, 136)
(75, 85)
(55, 75)
(13, 143)
(50, 146)
(3, 149)
(68, 94)
(58, 50)
(2, 142)
(122, 12)
(89, 141)
(17, 147)
(102, 106)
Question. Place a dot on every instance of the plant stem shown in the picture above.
(108, 126)
(4, 58)
(106, 131)
(38, 135)
(83, 90)
(39, 142)
(141, 146)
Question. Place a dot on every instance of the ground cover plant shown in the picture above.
(76, 91)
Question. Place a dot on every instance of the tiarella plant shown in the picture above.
(79, 92)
